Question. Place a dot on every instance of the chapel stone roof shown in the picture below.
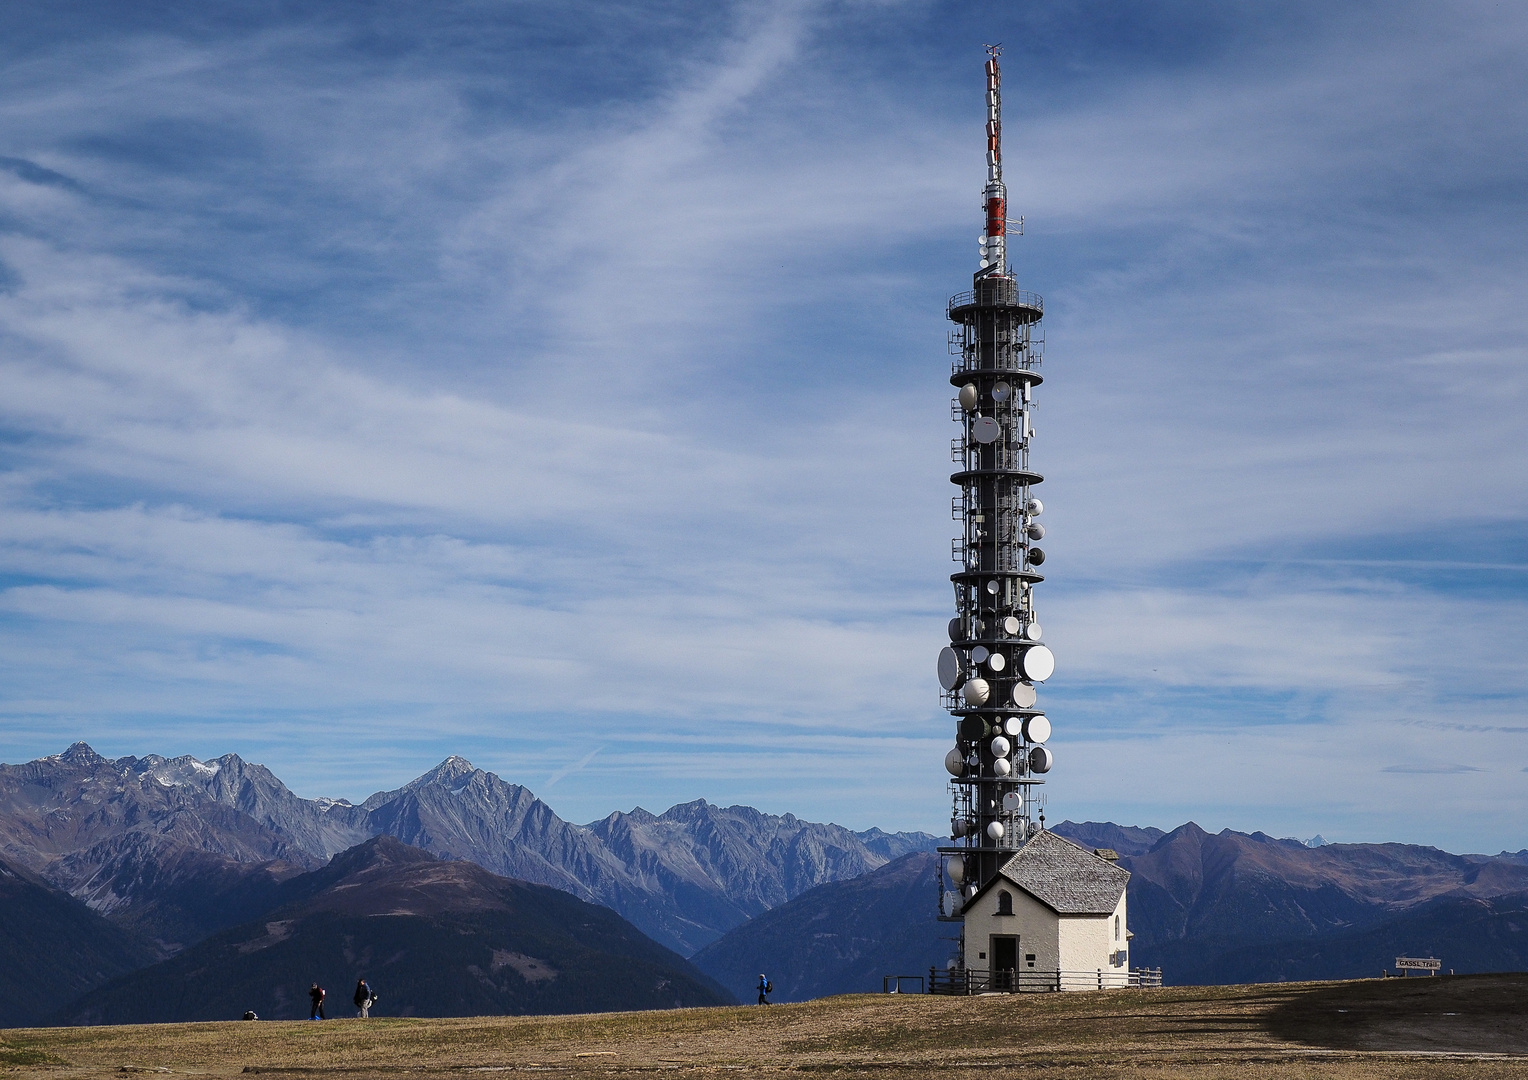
(1064, 877)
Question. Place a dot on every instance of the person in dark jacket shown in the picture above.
(363, 998)
(317, 995)
(764, 988)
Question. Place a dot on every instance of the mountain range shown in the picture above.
(179, 848)
(1206, 908)
(1213, 908)
(120, 876)
(163, 853)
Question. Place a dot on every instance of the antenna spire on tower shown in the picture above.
(995, 197)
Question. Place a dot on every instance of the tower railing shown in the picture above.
(1022, 362)
(998, 293)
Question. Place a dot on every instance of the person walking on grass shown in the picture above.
(765, 986)
(317, 996)
(364, 999)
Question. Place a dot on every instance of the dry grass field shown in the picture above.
(1467, 1026)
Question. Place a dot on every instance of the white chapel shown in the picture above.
(1052, 917)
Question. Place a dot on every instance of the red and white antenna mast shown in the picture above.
(995, 262)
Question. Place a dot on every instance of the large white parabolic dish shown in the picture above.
(1038, 663)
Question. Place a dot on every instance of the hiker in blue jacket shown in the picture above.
(765, 986)
(364, 998)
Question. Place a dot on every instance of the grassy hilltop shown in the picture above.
(1466, 1026)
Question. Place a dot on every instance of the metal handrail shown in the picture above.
(1026, 365)
(996, 294)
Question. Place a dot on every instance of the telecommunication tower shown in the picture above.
(996, 654)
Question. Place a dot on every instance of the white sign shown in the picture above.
(1413, 963)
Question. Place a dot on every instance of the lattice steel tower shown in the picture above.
(996, 654)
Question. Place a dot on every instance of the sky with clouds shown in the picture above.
(565, 387)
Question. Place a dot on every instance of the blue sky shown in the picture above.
(564, 386)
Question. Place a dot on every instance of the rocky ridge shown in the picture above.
(166, 845)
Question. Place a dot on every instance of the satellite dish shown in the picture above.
(986, 430)
(1038, 663)
(968, 397)
(1034, 508)
(977, 691)
(1013, 726)
(955, 634)
(1013, 801)
(1041, 759)
(1033, 632)
(955, 762)
(1001, 392)
(1012, 626)
(949, 668)
(978, 654)
(995, 830)
(1000, 747)
(996, 662)
(982, 239)
(1036, 531)
(992, 588)
(1024, 694)
(1036, 556)
(1000, 767)
(956, 868)
(984, 264)
(1037, 729)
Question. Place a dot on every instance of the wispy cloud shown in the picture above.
(571, 767)
(1430, 770)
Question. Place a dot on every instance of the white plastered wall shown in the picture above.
(1035, 925)
(1088, 941)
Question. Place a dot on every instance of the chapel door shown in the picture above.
(1005, 961)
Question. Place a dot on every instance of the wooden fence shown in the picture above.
(960, 981)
